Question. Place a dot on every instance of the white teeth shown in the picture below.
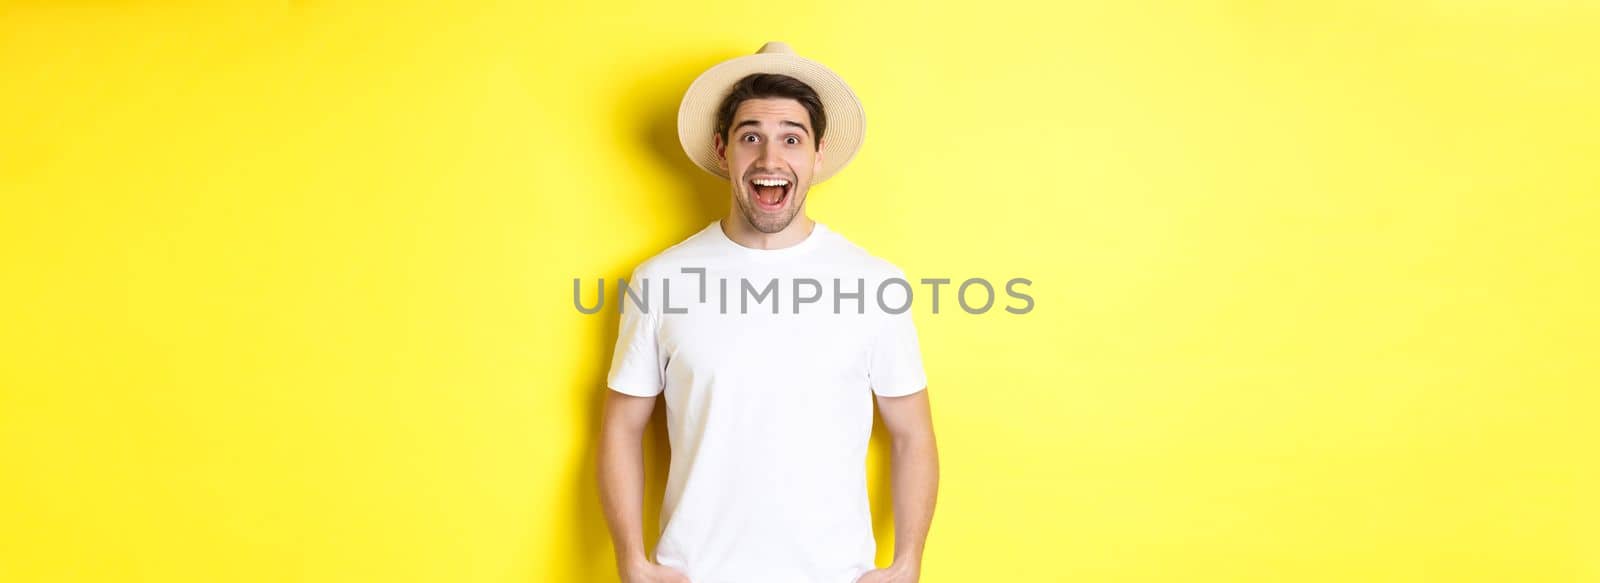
(770, 182)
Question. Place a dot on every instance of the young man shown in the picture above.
(768, 379)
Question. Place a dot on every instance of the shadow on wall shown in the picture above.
(651, 107)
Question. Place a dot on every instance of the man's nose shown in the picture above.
(770, 157)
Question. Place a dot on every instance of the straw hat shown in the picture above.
(697, 115)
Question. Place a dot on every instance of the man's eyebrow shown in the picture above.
(796, 124)
(751, 122)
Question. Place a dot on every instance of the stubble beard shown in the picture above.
(769, 223)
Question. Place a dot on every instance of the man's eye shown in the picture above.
(749, 137)
(794, 140)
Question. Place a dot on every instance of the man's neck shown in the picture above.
(740, 231)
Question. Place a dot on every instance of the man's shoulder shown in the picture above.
(855, 256)
(691, 251)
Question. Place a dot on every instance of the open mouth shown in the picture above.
(770, 193)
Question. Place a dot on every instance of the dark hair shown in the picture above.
(772, 85)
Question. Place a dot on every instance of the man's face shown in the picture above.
(770, 157)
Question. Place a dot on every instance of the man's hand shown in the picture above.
(896, 573)
(647, 572)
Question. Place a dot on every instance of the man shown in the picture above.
(768, 386)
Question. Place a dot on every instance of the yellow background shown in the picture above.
(287, 285)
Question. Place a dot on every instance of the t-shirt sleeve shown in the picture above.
(636, 366)
(895, 367)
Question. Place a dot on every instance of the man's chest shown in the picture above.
(768, 349)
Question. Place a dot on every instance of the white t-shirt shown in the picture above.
(768, 414)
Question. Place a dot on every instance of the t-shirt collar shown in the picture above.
(804, 246)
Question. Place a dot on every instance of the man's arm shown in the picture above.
(915, 476)
(620, 470)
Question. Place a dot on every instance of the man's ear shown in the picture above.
(816, 166)
(722, 152)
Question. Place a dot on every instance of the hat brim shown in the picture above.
(697, 115)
